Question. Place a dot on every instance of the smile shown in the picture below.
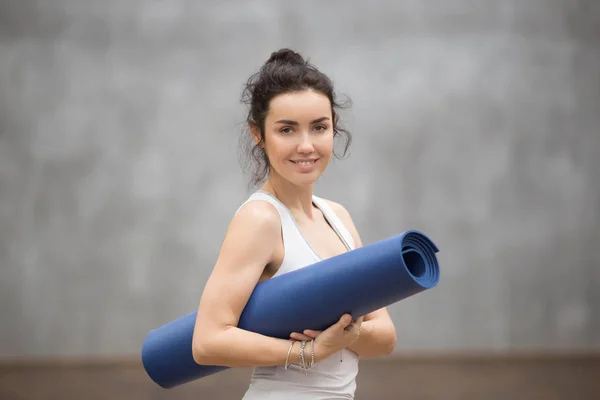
(305, 163)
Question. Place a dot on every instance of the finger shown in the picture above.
(344, 320)
(300, 336)
(359, 325)
(357, 322)
(350, 325)
(311, 333)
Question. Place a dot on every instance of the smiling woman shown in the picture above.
(282, 227)
(298, 149)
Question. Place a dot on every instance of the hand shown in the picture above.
(338, 336)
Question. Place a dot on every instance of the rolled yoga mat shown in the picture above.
(314, 297)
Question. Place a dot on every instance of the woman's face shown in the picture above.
(299, 136)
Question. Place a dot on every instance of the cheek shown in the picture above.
(277, 150)
(326, 144)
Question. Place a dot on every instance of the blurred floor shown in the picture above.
(481, 379)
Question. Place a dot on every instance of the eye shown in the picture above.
(287, 129)
(321, 128)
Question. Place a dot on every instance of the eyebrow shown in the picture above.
(289, 122)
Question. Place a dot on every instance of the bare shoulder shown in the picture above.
(252, 235)
(251, 238)
(257, 215)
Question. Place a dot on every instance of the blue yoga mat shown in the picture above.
(314, 297)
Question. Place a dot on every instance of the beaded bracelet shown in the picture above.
(303, 359)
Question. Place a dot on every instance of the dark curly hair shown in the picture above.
(285, 71)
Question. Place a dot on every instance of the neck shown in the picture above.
(298, 199)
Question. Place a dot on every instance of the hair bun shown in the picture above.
(286, 56)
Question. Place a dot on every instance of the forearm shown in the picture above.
(238, 348)
(377, 338)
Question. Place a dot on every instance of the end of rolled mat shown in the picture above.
(149, 360)
(167, 355)
(419, 255)
(162, 370)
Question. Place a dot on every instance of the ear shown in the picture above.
(254, 131)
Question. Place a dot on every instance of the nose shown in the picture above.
(305, 146)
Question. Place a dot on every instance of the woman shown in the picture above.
(292, 121)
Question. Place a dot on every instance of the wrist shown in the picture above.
(320, 353)
(302, 356)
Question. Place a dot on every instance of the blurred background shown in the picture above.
(477, 122)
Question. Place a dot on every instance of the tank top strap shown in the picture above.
(335, 222)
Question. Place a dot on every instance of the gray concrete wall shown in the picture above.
(476, 122)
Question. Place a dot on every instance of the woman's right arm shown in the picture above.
(248, 247)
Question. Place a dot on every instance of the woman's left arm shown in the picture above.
(378, 333)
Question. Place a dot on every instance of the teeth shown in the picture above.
(305, 163)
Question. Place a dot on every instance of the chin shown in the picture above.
(304, 180)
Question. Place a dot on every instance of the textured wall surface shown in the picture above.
(476, 122)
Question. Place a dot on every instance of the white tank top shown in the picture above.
(332, 378)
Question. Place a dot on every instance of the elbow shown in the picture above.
(391, 347)
(204, 348)
(391, 344)
(209, 350)
(204, 343)
(199, 353)
(198, 347)
(204, 354)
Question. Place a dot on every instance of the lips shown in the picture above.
(305, 163)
